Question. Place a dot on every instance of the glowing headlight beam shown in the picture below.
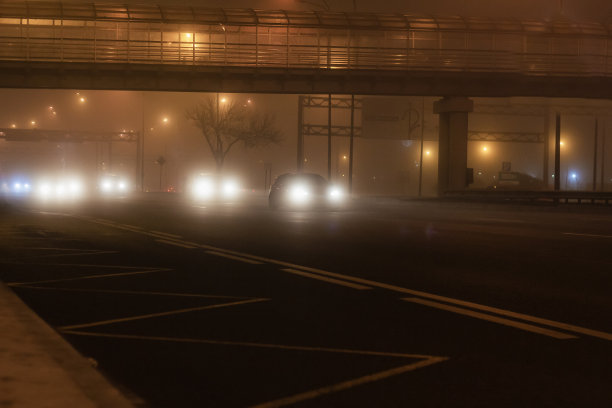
(299, 194)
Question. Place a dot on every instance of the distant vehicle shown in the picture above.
(60, 188)
(16, 186)
(210, 187)
(304, 190)
(111, 185)
(512, 180)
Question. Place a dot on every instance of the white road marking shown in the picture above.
(160, 314)
(233, 257)
(175, 243)
(587, 235)
(325, 279)
(491, 318)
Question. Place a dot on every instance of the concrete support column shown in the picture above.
(452, 150)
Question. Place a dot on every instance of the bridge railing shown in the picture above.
(88, 41)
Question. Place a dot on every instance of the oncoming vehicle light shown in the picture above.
(106, 186)
(299, 194)
(230, 189)
(335, 194)
(203, 189)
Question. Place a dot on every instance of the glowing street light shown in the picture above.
(427, 153)
(223, 99)
(165, 120)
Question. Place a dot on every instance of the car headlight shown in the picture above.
(335, 194)
(229, 189)
(44, 190)
(75, 189)
(203, 189)
(106, 186)
(299, 194)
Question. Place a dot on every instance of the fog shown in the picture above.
(386, 154)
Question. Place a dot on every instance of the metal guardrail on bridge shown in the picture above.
(148, 34)
(534, 197)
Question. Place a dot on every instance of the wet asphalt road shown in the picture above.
(383, 304)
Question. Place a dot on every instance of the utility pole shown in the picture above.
(603, 156)
(595, 156)
(351, 143)
(422, 141)
(557, 152)
(329, 136)
(142, 145)
(300, 134)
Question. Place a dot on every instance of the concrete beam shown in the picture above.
(188, 78)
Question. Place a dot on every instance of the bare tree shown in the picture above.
(223, 126)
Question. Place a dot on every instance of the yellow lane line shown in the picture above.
(175, 243)
(133, 292)
(254, 345)
(587, 235)
(106, 275)
(166, 234)
(233, 257)
(325, 279)
(425, 360)
(161, 314)
(491, 318)
(367, 282)
(308, 395)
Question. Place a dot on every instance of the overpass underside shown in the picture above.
(195, 78)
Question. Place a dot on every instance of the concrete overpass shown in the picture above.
(147, 47)
(102, 46)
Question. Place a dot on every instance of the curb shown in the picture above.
(39, 368)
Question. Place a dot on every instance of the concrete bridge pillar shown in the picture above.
(452, 154)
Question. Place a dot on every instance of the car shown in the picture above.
(304, 190)
(512, 180)
(207, 187)
(112, 185)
